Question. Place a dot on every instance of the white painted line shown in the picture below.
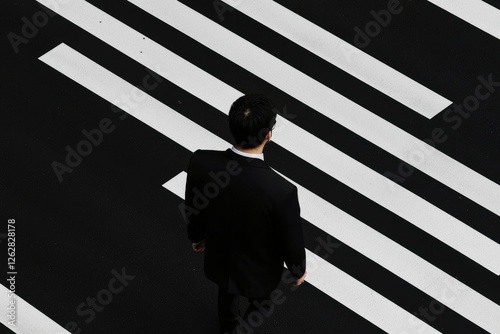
(476, 12)
(352, 232)
(152, 112)
(340, 286)
(328, 102)
(28, 319)
(177, 184)
(344, 56)
(402, 202)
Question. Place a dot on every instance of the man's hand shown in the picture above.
(300, 280)
(199, 247)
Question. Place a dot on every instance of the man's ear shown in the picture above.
(269, 135)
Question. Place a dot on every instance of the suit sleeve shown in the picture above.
(195, 227)
(290, 234)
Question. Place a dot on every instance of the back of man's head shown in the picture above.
(251, 117)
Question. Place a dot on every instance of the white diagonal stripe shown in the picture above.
(345, 56)
(349, 230)
(29, 320)
(476, 12)
(310, 148)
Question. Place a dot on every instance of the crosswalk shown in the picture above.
(339, 53)
(477, 248)
(149, 112)
(476, 12)
(326, 101)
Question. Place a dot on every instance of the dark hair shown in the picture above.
(251, 117)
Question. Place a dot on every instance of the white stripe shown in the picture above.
(350, 292)
(323, 156)
(343, 55)
(354, 233)
(476, 12)
(152, 112)
(28, 319)
(177, 184)
(328, 102)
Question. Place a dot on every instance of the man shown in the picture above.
(243, 215)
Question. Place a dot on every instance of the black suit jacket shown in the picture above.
(250, 219)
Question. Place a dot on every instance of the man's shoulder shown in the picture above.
(282, 183)
(274, 181)
(202, 159)
(207, 154)
(264, 172)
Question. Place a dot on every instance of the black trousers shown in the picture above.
(230, 318)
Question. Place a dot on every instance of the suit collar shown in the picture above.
(248, 155)
(255, 162)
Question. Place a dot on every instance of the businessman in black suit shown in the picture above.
(244, 216)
